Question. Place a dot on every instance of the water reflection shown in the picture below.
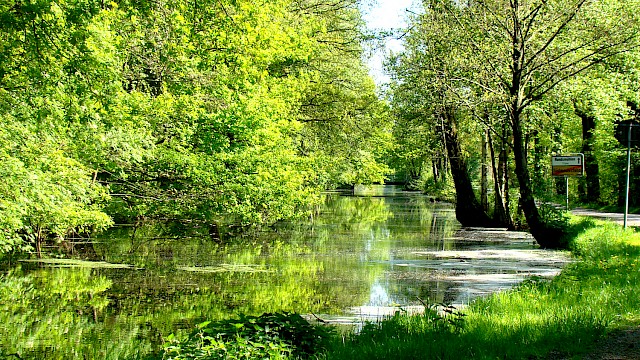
(362, 257)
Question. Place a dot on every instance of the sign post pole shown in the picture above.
(566, 184)
(631, 136)
(626, 197)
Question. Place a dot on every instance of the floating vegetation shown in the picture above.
(75, 263)
(225, 268)
(520, 255)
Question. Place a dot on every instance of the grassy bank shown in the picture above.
(592, 296)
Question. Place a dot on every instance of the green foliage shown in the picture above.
(438, 318)
(603, 94)
(178, 110)
(430, 334)
(442, 190)
(268, 336)
(45, 193)
(557, 221)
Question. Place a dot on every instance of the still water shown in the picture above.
(360, 258)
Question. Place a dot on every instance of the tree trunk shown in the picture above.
(434, 170)
(442, 154)
(484, 182)
(546, 236)
(469, 211)
(39, 240)
(592, 179)
(560, 185)
(501, 212)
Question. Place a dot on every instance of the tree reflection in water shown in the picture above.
(359, 253)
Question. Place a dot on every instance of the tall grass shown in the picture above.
(565, 315)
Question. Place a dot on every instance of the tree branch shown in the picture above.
(556, 33)
(538, 91)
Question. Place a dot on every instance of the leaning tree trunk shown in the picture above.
(546, 236)
(469, 211)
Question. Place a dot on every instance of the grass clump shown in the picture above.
(564, 315)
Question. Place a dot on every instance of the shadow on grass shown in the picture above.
(489, 337)
(579, 226)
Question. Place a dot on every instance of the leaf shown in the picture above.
(203, 324)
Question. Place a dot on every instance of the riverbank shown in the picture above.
(566, 317)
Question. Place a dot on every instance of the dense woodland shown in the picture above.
(238, 112)
(220, 112)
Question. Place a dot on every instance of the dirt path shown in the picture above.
(618, 345)
(621, 344)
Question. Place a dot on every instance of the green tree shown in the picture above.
(47, 190)
(428, 70)
(521, 51)
(179, 110)
(346, 127)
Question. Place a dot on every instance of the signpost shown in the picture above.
(628, 133)
(566, 166)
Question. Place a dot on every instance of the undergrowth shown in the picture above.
(268, 336)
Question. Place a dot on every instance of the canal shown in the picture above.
(360, 258)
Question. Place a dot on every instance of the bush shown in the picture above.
(269, 336)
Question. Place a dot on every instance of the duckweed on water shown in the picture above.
(565, 315)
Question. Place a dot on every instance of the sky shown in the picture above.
(385, 15)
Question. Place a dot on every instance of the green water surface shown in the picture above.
(122, 295)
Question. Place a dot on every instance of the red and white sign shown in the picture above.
(567, 165)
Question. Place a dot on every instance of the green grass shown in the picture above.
(591, 297)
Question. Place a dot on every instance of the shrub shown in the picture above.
(269, 336)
